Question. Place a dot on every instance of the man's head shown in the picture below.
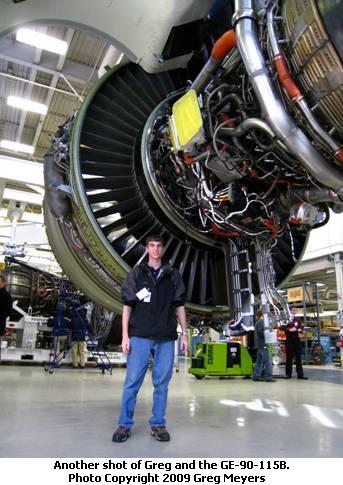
(154, 246)
(293, 310)
(3, 281)
(259, 314)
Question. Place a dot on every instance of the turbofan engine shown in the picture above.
(233, 167)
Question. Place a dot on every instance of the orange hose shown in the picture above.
(223, 45)
(271, 225)
(219, 232)
(339, 154)
(286, 77)
(293, 91)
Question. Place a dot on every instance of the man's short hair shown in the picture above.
(259, 313)
(155, 238)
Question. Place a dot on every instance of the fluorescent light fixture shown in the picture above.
(321, 284)
(42, 41)
(17, 147)
(27, 105)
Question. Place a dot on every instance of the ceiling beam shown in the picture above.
(22, 196)
(22, 171)
(26, 217)
(28, 93)
(319, 264)
(61, 61)
(40, 85)
(25, 55)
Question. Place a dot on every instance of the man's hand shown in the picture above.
(125, 344)
(184, 343)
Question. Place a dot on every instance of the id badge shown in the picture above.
(142, 294)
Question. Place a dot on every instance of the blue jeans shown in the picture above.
(162, 370)
(263, 356)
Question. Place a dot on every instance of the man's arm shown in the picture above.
(300, 323)
(129, 290)
(129, 298)
(259, 328)
(181, 315)
(125, 343)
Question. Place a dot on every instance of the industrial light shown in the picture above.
(27, 105)
(17, 147)
(42, 41)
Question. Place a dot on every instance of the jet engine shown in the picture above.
(232, 162)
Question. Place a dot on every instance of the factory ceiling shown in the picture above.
(57, 81)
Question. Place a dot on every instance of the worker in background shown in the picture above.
(293, 345)
(263, 359)
(153, 294)
(60, 325)
(5, 308)
(79, 326)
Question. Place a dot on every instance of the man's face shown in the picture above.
(293, 311)
(155, 249)
(3, 284)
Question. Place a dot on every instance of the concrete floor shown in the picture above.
(72, 413)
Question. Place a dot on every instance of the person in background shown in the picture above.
(263, 354)
(153, 295)
(79, 326)
(293, 345)
(5, 308)
(60, 325)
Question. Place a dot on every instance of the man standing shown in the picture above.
(79, 327)
(293, 345)
(263, 355)
(5, 307)
(153, 295)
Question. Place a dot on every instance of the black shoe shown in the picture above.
(270, 380)
(257, 378)
(160, 433)
(288, 377)
(303, 377)
(121, 434)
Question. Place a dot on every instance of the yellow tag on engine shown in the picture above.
(186, 121)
